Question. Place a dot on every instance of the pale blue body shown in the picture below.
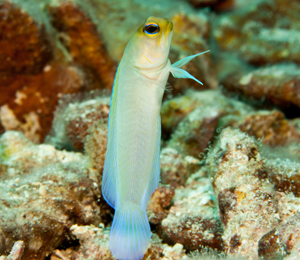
(132, 165)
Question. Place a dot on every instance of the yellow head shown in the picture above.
(150, 45)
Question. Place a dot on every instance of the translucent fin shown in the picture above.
(130, 234)
(155, 170)
(110, 170)
(180, 73)
(168, 87)
(184, 61)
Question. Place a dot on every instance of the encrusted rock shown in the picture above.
(208, 103)
(175, 169)
(248, 206)
(193, 219)
(174, 110)
(94, 244)
(83, 42)
(194, 133)
(95, 145)
(44, 192)
(74, 118)
(270, 127)
(34, 74)
(280, 241)
(27, 102)
(284, 174)
(262, 33)
(159, 201)
(25, 48)
(277, 85)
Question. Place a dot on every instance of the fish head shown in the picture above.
(150, 45)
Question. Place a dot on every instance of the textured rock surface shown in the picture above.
(51, 48)
(94, 244)
(270, 127)
(209, 103)
(74, 118)
(277, 85)
(16, 252)
(28, 101)
(194, 133)
(83, 42)
(44, 192)
(262, 33)
(17, 28)
(37, 69)
(175, 169)
(193, 219)
(159, 201)
(285, 175)
(248, 206)
(280, 241)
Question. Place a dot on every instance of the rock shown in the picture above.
(24, 46)
(209, 103)
(94, 244)
(248, 206)
(280, 241)
(288, 205)
(16, 252)
(295, 253)
(193, 219)
(174, 110)
(175, 169)
(195, 131)
(159, 201)
(284, 174)
(75, 117)
(44, 192)
(261, 33)
(36, 69)
(27, 102)
(83, 42)
(277, 85)
(270, 127)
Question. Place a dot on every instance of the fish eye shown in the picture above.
(151, 29)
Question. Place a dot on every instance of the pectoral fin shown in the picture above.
(180, 73)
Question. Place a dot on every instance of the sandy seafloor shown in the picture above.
(230, 169)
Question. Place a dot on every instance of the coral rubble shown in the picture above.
(230, 178)
(248, 207)
(44, 192)
(193, 219)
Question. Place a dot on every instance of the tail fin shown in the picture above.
(130, 234)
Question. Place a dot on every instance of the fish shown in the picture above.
(132, 163)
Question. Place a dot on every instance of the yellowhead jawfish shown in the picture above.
(132, 165)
